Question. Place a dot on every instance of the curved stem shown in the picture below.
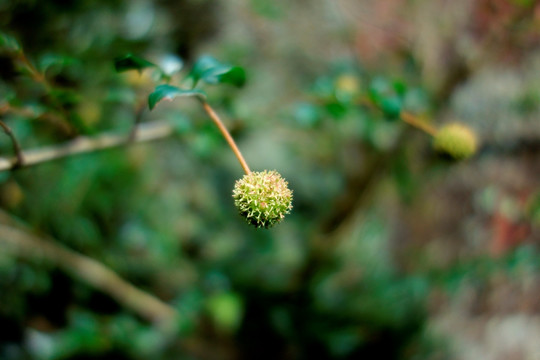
(413, 121)
(40, 78)
(215, 118)
(34, 72)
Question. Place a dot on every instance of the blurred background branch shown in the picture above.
(21, 243)
(84, 144)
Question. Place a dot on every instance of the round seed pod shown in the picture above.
(262, 198)
(456, 140)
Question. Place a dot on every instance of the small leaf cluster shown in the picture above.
(52, 89)
(206, 69)
(388, 96)
(263, 198)
(375, 107)
(346, 91)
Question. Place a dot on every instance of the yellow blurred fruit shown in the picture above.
(457, 140)
(11, 194)
(348, 84)
(90, 112)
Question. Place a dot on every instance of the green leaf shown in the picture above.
(52, 60)
(169, 92)
(9, 43)
(391, 107)
(336, 110)
(211, 71)
(66, 97)
(400, 87)
(131, 62)
(235, 76)
(379, 88)
(226, 310)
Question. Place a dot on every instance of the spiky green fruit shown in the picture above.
(263, 198)
(457, 140)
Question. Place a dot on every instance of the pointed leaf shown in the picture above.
(53, 60)
(131, 62)
(235, 76)
(211, 71)
(203, 65)
(169, 92)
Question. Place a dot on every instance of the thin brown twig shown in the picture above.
(419, 124)
(146, 132)
(405, 116)
(16, 147)
(40, 78)
(34, 72)
(51, 118)
(215, 118)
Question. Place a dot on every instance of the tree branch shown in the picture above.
(83, 144)
(19, 159)
(417, 123)
(23, 244)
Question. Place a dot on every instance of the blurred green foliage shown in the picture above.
(334, 280)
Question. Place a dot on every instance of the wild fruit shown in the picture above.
(457, 140)
(262, 198)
